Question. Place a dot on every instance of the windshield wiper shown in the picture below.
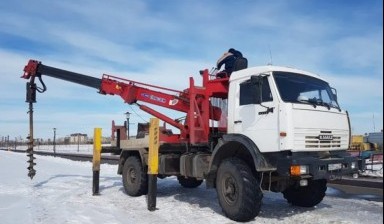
(320, 102)
(304, 99)
(316, 102)
(327, 105)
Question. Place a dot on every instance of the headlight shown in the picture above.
(353, 165)
(297, 170)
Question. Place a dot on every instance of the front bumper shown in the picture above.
(320, 165)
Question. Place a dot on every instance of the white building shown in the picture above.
(78, 138)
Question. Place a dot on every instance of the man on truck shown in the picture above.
(233, 61)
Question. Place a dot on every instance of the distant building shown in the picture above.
(104, 140)
(78, 138)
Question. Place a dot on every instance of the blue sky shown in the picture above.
(165, 42)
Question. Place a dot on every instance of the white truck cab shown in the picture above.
(281, 108)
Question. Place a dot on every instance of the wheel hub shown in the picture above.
(230, 190)
(132, 175)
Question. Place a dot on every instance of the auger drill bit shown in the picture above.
(31, 98)
(32, 171)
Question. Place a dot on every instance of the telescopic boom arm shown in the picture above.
(36, 69)
(129, 90)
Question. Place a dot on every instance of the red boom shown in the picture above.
(194, 101)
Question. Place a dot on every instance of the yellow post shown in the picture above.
(153, 156)
(153, 162)
(96, 160)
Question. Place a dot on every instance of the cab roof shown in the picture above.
(269, 68)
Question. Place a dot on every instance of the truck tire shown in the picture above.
(307, 196)
(189, 182)
(135, 179)
(238, 190)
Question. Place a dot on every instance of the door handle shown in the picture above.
(237, 122)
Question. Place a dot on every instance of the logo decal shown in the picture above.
(173, 102)
(153, 97)
(325, 137)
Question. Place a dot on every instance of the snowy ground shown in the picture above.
(83, 148)
(61, 192)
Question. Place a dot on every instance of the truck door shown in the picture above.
(256, 113)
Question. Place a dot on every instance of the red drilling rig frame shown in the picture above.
(195, 101)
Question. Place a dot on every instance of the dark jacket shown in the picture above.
(236, 53)
(229, 60)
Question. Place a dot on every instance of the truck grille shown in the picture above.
(320, 139)
(314, 142)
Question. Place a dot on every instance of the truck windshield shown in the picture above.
(299, 88)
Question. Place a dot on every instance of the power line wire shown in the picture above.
(137, 114)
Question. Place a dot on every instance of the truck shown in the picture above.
(264, 128)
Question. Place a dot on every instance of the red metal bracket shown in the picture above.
(30, 69)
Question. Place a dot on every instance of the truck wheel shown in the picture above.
(238, 190)
(307, 196)
(135, 179)
(189, 182)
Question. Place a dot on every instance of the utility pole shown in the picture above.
(373, 119)
(78, 142)
(54, 141)
(127, 114)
